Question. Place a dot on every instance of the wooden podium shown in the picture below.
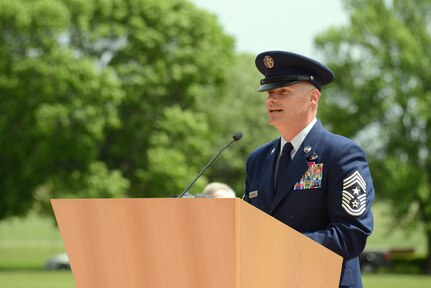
(187, 243)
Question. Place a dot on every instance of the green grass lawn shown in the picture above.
(26, 244)
(396, 281)
(36, 279)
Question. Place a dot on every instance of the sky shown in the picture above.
(290, 25)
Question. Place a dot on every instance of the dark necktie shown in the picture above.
(283, 162)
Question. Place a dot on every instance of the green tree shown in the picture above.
(173, 55)
(87, 89)
(54, 106)
(382, 94)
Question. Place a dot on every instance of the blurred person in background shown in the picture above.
(218, 190)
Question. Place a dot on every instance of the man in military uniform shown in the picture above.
(314, 181)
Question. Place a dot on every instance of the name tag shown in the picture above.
(253, 194)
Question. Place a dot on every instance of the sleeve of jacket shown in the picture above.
(350, 193)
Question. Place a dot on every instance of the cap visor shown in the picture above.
(275, 85)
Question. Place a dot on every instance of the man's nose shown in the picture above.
(272, 97)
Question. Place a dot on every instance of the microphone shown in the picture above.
(235, 137)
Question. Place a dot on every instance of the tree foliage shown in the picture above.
(382, 94)
(87, 89)
(174, 54)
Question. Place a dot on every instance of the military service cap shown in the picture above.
(286, 68)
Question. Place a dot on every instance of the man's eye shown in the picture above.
(279, 91)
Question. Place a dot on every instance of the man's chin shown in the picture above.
(275, 122)
(273, 118)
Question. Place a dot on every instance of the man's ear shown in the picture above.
(315, 95)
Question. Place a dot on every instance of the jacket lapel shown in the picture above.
(271, 161)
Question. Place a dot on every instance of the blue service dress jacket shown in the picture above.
(326, 194)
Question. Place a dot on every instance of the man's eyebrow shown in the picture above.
(286, 88)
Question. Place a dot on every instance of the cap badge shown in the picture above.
(268, 62)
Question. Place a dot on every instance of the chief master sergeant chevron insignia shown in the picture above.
(354, 194)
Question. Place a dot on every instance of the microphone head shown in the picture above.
(237, 136)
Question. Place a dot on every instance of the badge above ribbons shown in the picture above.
(354, 194)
